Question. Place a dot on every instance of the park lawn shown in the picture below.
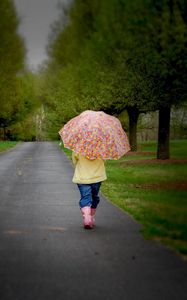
(148, 149)
(153, 192)
(6, 145)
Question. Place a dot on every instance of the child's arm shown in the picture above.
(74, 158)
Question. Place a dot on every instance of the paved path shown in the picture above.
(45, 254)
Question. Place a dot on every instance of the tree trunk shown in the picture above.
(163, 133)
(133, 114)
(4, 133)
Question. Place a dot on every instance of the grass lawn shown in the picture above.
(5, 145)
(153, 191)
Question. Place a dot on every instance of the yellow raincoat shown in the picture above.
(88, 171)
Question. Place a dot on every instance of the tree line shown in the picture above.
(18, 97)
(112, 55)
(115, 56)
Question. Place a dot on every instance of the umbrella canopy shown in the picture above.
(95, 134)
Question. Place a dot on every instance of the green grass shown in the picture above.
(6, 145)
(145, 173)
(154, 194)
(177, 148)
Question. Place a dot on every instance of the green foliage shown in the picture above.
(18, 98)
(22, 124)
(27, 97)
(11, 60)
(169, 46)
(114, 55)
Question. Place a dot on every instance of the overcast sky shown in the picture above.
(36, 18)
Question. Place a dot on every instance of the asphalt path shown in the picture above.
(46, 254)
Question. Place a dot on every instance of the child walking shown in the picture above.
(88, 176)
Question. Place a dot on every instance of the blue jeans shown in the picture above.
(89, 194)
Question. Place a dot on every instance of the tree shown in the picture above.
(118, 55)
(11, 61)
(169, 76)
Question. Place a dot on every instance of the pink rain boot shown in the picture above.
(87, 219)
(93, 211)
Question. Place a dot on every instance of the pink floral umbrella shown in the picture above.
(95, 134)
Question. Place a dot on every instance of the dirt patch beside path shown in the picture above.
(158, 186)
(141, 153)
(154, 161)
